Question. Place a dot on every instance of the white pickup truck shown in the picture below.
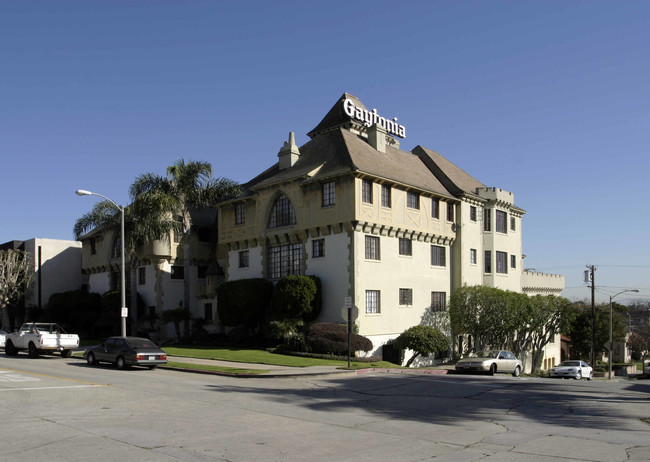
(41, 337)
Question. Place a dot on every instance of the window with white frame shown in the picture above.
(438, 256)
(282, 213)
(386, 196)
(487, 220)
(438, 301)
(318, 248)
(450, 212)
(502, 262)
(329, 193)
(373, 302)
(372, 248)
(435, 208)
(405, 246)
(501, 222)
(472, 213)
(412, 200)
(472, 256)
(243, 259)
(240, 213)
(406, 297)
(513, 261)
(488, 261)
(285, 260)
(512, 224)
(366, 191)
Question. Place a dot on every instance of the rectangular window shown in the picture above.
(202, 271)
(472, 213)
(513, 261)
(512, 224)
(488, 261)
(412, 200)
(243, 259)
(487, 220)
(373, 302)
(438, 255)
(501, 222)
(366, 191)
(285, 260)
(405, 246)
(438, 301)
(435, 208)
(472, 256)
(142, 276)
(240, 213)
(93, 246)
(502, 262)
(406, 297)
(372, 248)
(450, 212)
(207, 311)
(318, 248)
(329, 193)
(178, 272)
(385, 196)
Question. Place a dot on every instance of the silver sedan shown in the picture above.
(491, 361)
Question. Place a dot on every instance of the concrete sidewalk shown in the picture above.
(288, 371)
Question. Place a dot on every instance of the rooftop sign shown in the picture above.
(370, 118)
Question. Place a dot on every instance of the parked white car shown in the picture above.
(573, 369)
(646, 369)
(41, 337)
(491, 361)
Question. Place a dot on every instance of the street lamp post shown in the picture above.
(611, 334)
(123, 314)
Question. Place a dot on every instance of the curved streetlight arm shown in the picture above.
(83, 192)
(611, 327)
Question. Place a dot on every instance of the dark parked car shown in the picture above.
(125, 352)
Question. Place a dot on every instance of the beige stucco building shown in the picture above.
(396, 231)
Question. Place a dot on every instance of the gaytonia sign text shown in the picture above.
(371, 117)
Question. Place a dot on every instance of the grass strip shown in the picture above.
(207, 367)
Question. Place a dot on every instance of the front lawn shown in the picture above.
(265, 357)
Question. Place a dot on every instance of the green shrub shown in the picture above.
(243, 302)
(423, 340)
(292, 298)
(331, 338)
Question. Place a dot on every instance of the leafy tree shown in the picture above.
(15, 276)
(639, 341)
(580, 330)
(243, 301)
(76, 310)
(143, 222)
(549, 316)
(292, 298)
(187, 186)
(423, 340)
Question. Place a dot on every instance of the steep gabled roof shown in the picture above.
(456, 180)
(336, 117)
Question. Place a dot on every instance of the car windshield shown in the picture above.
(570, 363)
(487, 354)
(141, 343)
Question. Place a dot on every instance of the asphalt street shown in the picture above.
(58, 409)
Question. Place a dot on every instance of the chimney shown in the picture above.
(289, 153)
(377, 137)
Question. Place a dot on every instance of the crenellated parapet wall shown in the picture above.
(534, 283)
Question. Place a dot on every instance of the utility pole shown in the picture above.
(589, 278)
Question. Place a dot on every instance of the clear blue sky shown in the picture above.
(548, 100)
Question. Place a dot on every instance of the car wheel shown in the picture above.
(66, 353)
(90, 359)
(32, 350)
(578, 375)
(516, 372)
(591, 376)
(10, 349)
(120, 363)
(493, 369)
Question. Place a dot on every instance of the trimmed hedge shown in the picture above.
(331, 338)
(243, 301)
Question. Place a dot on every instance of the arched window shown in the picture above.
(282, 213)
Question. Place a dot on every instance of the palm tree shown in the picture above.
(188, 186)
(143, 222)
